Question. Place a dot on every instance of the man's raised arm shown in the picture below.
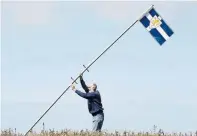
(84, 86)
(86, 95)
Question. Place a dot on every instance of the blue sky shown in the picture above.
(142, 84)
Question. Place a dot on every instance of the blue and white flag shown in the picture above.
(157, 27)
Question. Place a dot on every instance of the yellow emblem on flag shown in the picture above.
(155, 22)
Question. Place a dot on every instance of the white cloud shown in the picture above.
(127, 10)
(36, 13)
(30, 13)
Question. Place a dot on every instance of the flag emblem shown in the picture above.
(155, 22)
(157, 27)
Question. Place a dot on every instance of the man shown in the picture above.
(94, 103)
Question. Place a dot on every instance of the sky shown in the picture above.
(141, 83)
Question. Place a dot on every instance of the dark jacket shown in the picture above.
(94, 99)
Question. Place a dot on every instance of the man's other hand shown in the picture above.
(81, 74)
(73, 87)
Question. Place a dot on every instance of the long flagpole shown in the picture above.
(86, 69)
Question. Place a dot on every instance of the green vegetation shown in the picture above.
(66, 132)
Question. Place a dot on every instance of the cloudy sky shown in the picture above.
(142, 84)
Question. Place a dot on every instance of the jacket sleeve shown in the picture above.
(84, 86)
(86, 95)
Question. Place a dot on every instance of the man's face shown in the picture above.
(92, 87)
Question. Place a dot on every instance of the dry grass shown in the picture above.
(10, 132)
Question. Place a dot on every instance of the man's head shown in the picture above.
(92, 87)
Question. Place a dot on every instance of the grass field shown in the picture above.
(10, 132)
